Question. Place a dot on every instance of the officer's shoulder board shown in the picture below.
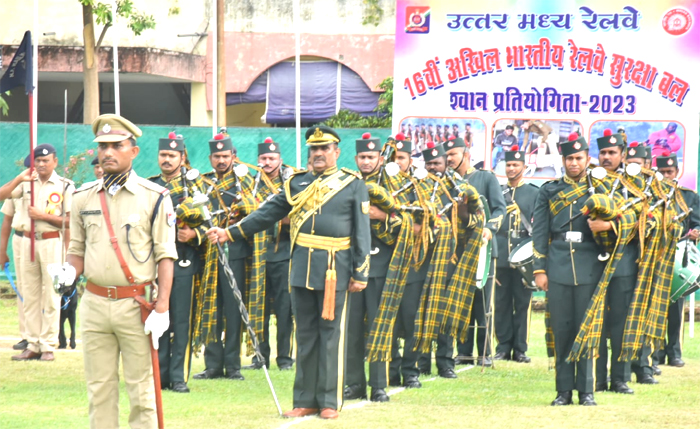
(153, 186)
(683, 188)
(533, 186)
(87, 185)
(67, 181)
(353, 172)
(153, 178)
(549, 183)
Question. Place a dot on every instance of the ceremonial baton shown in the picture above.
(201, 200)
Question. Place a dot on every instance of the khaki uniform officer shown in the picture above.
(52, 199)
(10, 222)
(142, 219)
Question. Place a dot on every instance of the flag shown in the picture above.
(19, 73)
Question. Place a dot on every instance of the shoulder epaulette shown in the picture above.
(67, 180)
(533, 185)
(353, 172)
(550, 182)
(153, 178)
(683, 188)
(153, 186)
(87, 185)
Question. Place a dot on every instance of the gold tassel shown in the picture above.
(329, 295)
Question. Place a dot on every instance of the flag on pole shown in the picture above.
(20, 72)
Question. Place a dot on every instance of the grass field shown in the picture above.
(53, 395)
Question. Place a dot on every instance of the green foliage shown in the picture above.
(386, 100)
(138, 21)
(77, 169)
(348, 119)
(4, 108)
(373, 13)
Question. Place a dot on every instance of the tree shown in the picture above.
(385, 108)
(101, 13)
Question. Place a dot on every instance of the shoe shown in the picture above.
(447, 373)
(62, 346)
(463, 360)
(22, 345)
(27, 355)
(354, 391)
(601, 387)
(484, 361)
(586, 399)
(677, 362)
(234, 375)
(621, 387)
(180, 387)
(646, 379)
(395, 381)
(72, 344)
(287, 367)
(411, 382)
(300, 412)
(329, 413)
(47, 357)
(563, 398)
(208, 374)
(379, 395)
(501, 356)
(521, 357)
(656, 370)
(254, 365)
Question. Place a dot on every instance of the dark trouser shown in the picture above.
(642, 366)
(278, 297)
(174, 349)
(321, 345)
(567, 309)
(477, 323)
(618, 301)
(218, 355)
(512, 312)
(365, 303)
(673, 336)
(407, 364)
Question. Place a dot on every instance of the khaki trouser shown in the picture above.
(17, 252)
(42, 306)
(108, 328)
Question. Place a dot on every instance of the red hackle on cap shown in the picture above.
(366, 136)
(268, 140)
(452, 137)
(573, 136)
(665, 153)
(430, 145)
(219, 137)
(607, 132)
(634, 144)
(514, 148)
(400, 136)
(172, 135)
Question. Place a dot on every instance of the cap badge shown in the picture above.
(370, 145)
(517, 155)
(106, 128)
(633, 152)
(450, 143)
(577, 145)
(44, 152)
(613, 140)
(399, 145)
(272, 147)
(220, 145)
(173, 144)
(670, 162)
(434, 152)
(318, 133)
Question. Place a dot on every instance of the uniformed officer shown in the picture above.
(122, 235)
(174, 351)
(364, 305)
(97, 168)
(486, 184)
(269, 181)
(513, 298)
(51, 209)
(568, 269)
(671, 354)
(330, 234)
(10, 222)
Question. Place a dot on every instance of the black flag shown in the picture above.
(19, 73)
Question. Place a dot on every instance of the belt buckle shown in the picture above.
(111, 293)
(38, 235)
(515, 233)
(573, 236)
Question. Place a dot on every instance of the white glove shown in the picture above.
(156, 324)
(61, 274)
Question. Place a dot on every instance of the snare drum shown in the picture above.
(522, 259)
(685, 278)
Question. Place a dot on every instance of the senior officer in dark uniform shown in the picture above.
(175, 351)
(119, 274)
(487, 185)
(513, 298)
(568, 269)
(364, 305)
(330, 234)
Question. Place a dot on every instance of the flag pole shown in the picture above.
(33, 118)
(115, 60)
(297, 81)
(214, 70)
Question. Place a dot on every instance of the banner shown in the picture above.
(530, 73)
(19, 73)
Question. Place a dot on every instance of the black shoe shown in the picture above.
(521, 357)
(354, 391)
(287, 367)
(395, 381)
(254, 365)
(484, 361)
(411, 382)
(22, 345)
(646, 379)
(621, 387)
(601, 387)
(463, 360)
(447, 373)
(61, 346)
(677, 362)
(72, 344)
(180, 387)
(586, 399)
(501, 356)
(656, 370)
(378, 395)
(235, 375)
(563, 398)
(208, 374)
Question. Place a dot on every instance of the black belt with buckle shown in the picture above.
(519, 234)
(572, 236)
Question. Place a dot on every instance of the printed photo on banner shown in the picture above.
(661, 136)
(538, 138)
(422, 130)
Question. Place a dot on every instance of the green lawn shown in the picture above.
(52, 395)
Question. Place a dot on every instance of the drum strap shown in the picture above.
(508, 196)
